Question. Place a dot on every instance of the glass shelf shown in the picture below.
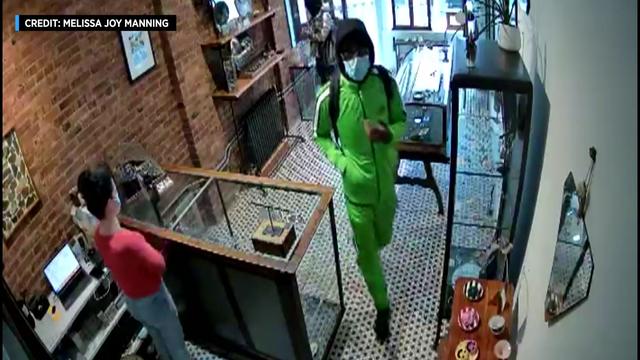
(468, 257)
(480, 145)
(477, 200)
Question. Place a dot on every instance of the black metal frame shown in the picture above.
(455, 87)
(345, 13)
(411, 25)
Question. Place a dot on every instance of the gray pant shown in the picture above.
(159, 315)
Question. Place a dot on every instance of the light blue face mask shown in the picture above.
(358, 67)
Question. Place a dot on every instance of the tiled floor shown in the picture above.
(412, 262)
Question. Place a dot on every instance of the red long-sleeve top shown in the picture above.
(135, 265)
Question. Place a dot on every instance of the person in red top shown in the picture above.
(135, 265)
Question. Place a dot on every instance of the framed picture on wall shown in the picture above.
(138, 53)
(19, 195)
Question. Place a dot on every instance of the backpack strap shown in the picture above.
(387, 82)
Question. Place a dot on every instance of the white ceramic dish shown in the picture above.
(502, 350)
(496, 324)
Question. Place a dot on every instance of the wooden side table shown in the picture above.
(486, 307)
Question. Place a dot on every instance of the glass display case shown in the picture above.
(252, 263)
(490, 124)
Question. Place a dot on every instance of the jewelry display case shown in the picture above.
(233, 297)
(422, 80)
(490, 108)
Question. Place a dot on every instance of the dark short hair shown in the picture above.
(96, 187)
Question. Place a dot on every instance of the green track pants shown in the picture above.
(373, 229)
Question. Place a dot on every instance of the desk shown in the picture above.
(50, 331)
(486, 307)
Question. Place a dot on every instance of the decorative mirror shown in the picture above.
(572, 268)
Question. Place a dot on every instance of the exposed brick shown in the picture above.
(51, 83)
(71, 97)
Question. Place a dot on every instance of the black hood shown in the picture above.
(314, 6)
(352, 30)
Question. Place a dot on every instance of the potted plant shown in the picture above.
(508, 33)
(499, 13)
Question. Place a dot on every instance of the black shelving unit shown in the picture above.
(490, 112)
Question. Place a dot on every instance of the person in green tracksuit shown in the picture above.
(369, 124)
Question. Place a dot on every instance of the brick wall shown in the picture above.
(70, 101)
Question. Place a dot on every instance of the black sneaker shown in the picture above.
(381, 326)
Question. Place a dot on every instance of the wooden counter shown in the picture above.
(486, 307)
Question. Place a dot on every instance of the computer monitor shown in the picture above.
(61, 269)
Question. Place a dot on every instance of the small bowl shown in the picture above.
(467, 350)
(468, 319)
(496, 324)
(473, 290)
(502, 350)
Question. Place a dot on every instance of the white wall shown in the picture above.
(585, 54)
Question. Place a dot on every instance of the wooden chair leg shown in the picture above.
(433, 185)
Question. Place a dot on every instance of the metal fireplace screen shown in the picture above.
(264, 128)
(305, 85)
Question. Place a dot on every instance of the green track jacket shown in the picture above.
(368, 168)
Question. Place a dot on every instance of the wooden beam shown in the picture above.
(250, 180)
